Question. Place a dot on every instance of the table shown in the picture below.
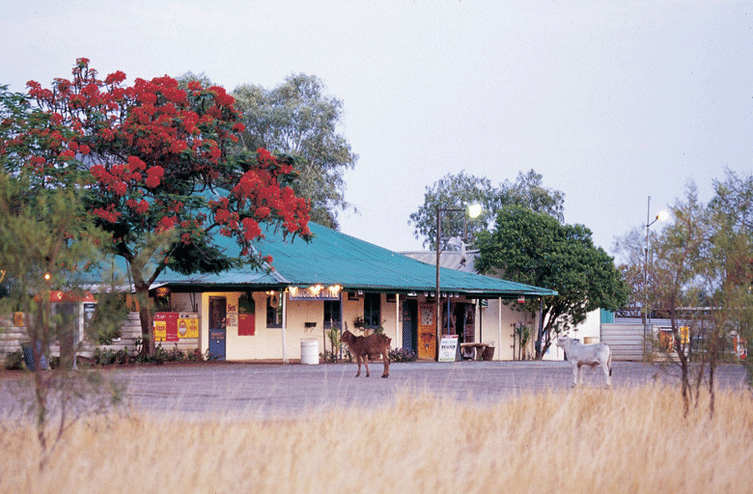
(476, 349)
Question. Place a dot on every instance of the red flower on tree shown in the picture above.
(151, 158)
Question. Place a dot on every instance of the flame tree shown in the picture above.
(150, 164)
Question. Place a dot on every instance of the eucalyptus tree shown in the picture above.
(297, 119)
(458, 190)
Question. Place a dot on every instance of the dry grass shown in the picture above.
(592, 440)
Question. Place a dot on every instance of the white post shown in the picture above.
(284, 299)
(499, 328)
(398, 331)
(477, 326)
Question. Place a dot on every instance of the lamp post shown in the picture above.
(663, 215)
(473, 211)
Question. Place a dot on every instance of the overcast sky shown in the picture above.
(611, 101)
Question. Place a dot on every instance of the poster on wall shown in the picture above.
(246, 315)
(188, 326)
(232, 315)
(165, 326)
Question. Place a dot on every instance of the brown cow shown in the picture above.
(363, 346)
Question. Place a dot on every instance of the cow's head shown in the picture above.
(563, 341)
(347, 336)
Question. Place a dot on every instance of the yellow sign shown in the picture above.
(160, 330)
(188, 326)
(684, 335)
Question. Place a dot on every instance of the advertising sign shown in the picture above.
(188, 326)
(165, 326)
(172, 326)
(448, 348)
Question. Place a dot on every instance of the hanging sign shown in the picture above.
(314, 292)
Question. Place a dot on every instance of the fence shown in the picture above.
(628, 341)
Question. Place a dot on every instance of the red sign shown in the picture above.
(60, 296)
(166, 326)
(246, 324)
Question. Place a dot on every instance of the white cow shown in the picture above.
(597, 354)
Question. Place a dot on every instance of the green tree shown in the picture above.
(731, 256)
(46, 241)
(536, 249)
(677, 281)
(189, 77)
(454, 191)
(297, 119)
(698, 276)
(459, 190)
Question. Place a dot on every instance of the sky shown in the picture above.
(612, 102)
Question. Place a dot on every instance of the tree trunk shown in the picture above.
(712, 395)
(145, 317)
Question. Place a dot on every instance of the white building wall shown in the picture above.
(494, 325)
(497, 326)
(267, 343)
(589, 331)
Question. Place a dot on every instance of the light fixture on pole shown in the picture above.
(662, 216)
(473, 211)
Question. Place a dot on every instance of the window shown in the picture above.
(371, 310)
(274, 310)
(332, 314)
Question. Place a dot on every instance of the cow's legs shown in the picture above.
(580, 374)
(575, 374)
(358, 360)
(386, 360)
(366, 363)
(607, 377)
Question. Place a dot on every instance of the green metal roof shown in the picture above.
(333, 258)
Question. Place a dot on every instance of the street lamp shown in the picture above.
(473, 211)
(662, 216)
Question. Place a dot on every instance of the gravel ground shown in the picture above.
(276, 391)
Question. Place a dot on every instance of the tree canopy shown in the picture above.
(297, 119)
(536, 249)
(151, 162)
(698, 274)
(460, 190)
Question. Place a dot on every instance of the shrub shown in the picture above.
(104, 356)
(329, 357)
(14, 360)
(402, 355)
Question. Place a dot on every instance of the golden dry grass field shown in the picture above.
(589, 440)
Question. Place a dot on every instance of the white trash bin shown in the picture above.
(310, 352)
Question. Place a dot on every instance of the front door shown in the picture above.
(217, 326)
(410, 324)
(427, 331)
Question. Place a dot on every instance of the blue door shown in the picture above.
(410, 325)
(217, 325)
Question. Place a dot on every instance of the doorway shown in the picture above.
(410, 325)
(217, 327)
